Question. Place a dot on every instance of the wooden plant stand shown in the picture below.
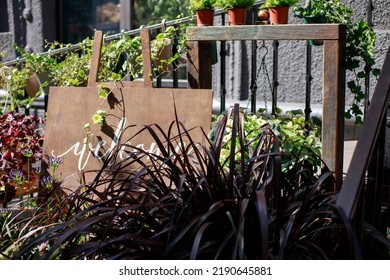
(333, 90)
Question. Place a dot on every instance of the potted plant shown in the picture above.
(20, 153)
(278, 10)
(204, 10)
(314, 11)
(236, 10)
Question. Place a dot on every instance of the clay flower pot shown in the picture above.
(205, 17)
(237, 16)
(34, 84)
(278, 15)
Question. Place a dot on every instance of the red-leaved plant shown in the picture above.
(21, 141)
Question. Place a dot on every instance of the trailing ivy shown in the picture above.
(120, 59)
(360, 59)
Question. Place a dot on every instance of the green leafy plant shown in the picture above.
(359, 54)
(279, 3)
(360, 43)
(312, 8)
(230, 4)
(120, 59)
(196, 5)
(20, 153)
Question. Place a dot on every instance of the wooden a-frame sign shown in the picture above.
(128, 109)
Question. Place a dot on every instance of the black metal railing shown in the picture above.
(365, 196)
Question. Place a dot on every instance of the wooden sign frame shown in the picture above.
(128, 109)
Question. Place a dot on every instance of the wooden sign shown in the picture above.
(127, 110)
(83, 146)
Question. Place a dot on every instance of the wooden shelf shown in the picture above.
(267, 32)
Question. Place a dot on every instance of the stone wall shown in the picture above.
(292, 61)
(292, 71)
(29, 23)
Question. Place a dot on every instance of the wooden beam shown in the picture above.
(267, 32)
(146, 57)
(333, 106)
(95, 60)
(199, 69)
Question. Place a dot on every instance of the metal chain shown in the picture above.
(263, 69)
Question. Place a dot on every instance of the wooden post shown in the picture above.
(199, 65)
(146, 57)
(95, 60)
(333, 106)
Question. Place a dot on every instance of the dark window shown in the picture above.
(4, 26)
(79, 19)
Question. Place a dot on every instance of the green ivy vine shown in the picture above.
(360, 57)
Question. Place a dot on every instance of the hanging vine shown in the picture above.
(360, 58)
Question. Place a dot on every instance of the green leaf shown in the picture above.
(376, 72)
(116, 77)
(361, 74)
(98, 117)
(103, 92)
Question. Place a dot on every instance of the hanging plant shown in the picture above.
(360, 43)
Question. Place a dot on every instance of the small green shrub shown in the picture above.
(196, 5)
(230, 4)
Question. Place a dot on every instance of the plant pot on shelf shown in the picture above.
(315, 19)
(278, 15)
(164, 53)
(205, 17)
(34, 85)
(237, 16)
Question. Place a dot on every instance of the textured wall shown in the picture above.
(29, 24)
(6, 29)
(292, 59)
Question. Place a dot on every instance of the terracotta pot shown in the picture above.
(237, 16)
(27, 188)
(34, 84)
(205, 17)
(278, 15)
